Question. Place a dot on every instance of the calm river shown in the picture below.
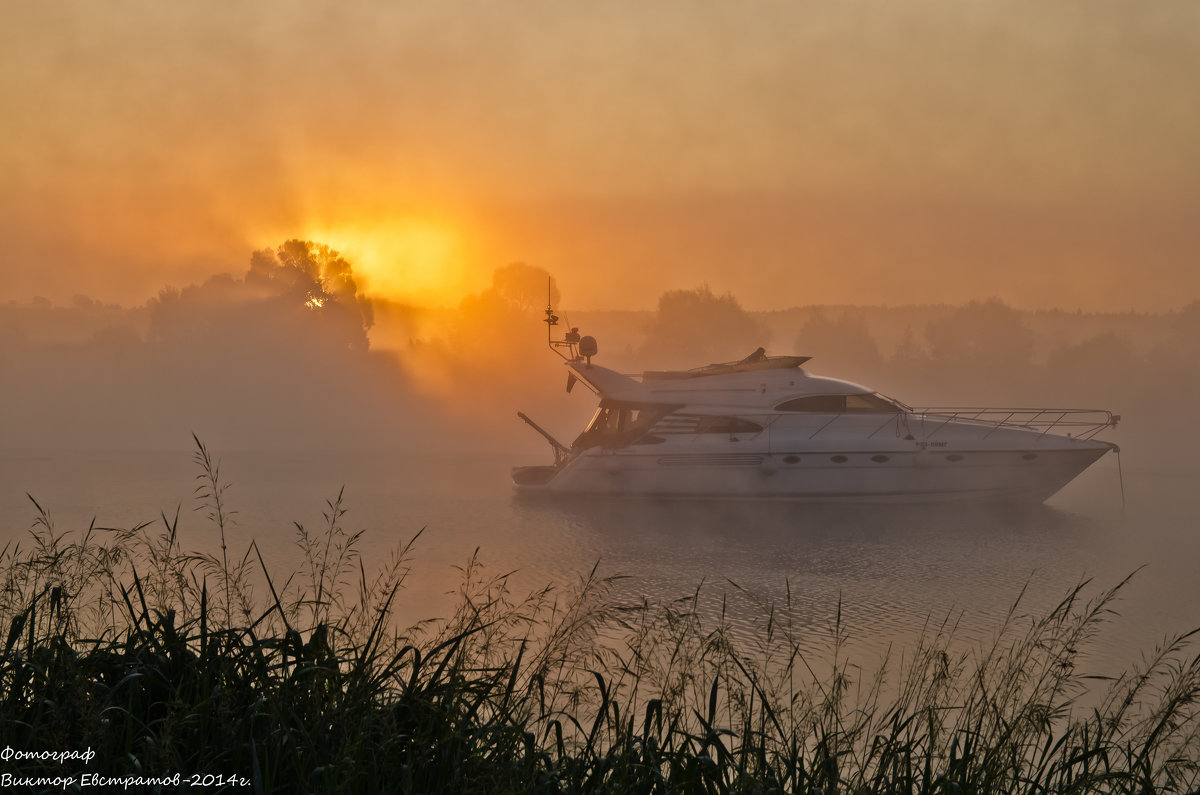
(892, 569)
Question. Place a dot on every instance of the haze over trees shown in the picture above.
(699, 327)
(301, 289)
(277, 357)
(525, 287)
(291, 352)
(487, 322)
(981, 335)
(843, 343)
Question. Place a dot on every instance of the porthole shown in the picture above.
(954, 457)
(791, 459)
(839, 459)
(879, 459)
(1029, 456)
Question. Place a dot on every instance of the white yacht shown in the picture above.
(764, 427)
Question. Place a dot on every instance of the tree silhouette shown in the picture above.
(320, 279)
(981, 335)
(299, 296)
(506, 313)
(1187, 324)
(844, 343)
(524, 286)
(694, 327)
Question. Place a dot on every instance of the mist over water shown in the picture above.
(419, 427)
(890, 569)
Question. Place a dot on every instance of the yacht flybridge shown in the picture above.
(764, 427)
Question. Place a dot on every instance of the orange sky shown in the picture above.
(788, 152)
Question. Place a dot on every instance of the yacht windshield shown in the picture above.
(615, 423)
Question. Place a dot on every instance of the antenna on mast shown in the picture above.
(551, 318)
(571, 347)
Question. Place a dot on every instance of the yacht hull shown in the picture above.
(892, 476)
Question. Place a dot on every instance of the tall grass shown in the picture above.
(162, 660)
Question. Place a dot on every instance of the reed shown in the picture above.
(117, 641)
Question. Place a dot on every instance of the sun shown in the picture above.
(412, 260)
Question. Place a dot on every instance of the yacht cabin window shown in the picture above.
(839, 404)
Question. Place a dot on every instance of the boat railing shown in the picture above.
(1077, 423)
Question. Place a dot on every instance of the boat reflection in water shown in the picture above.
(764, 427)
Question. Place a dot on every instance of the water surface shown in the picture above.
(890, 569)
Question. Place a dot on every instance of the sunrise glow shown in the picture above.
(419, 260)
(912, 153)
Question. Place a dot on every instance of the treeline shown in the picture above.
(291, 349)
(980, 353)
(289, 353)
(279, 354)
(978, 344)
